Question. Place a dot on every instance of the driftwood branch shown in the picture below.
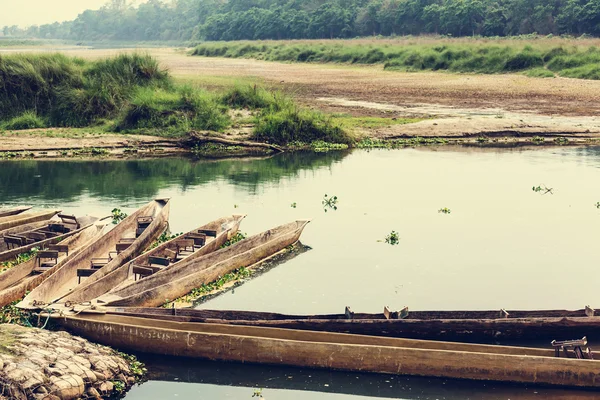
(199, 138)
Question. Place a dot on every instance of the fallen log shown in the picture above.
(197, 137)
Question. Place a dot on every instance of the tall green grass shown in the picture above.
(487, 58)
(70, 91)
(27, 120)
(173, 112)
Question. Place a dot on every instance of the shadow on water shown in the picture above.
(68, 179)
(175, 371)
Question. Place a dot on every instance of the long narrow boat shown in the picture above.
(175, 282)
(25, 218)
(5, 212)
(439, 325)
(21, 239)
(185, 248)
(24, 277)
(250, 344)
(120, 245)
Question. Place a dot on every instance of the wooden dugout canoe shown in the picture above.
(65, 279)
(178, 281)
(40, 234)
(20, 279)
(25, 218)
(5, 212)
(223, 228)
(438, 325)
(334, 350)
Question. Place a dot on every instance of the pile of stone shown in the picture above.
(39, 364)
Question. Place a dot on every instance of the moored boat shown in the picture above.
(178, 281)
(5, 212)
(250, 344)
(184, 248)
(25, 218)
(120, 245)
(20, 239)
(503, 325)
(26, 276)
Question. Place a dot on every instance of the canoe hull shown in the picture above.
(13, 211)
(26, 218)
(328, 351)
(209, 268)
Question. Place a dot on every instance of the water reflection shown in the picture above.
(67, 180)
(186, 378)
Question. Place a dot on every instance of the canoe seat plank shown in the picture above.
(122, 246)
(170, 254)
(198, 238)
(37, 236)
(58, 228)
(46, 255)
(48, 233)
(84, 273)
(185, 245)
(97, 263)
(143, 271)
(159, 261)
(69, 219)
(12, 242)
(61, 248)
(208, 232)
(142, 224)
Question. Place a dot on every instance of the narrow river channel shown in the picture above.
(502, 245)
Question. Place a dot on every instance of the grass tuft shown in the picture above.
(27, 120)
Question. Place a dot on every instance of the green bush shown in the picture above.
(27, 120)
(172, 112)
(292, 124)
(253, 97)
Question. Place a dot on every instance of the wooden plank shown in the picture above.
(589, 311)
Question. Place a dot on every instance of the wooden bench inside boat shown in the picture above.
(84, 273)
(13, 242)
(185, 245)
(198, 238)
(61, 248)
(142, 224)
(144, 271)
(207, 232)
(69, 220)
(574, 345)
(97, 263)
(37, 236)
(51, 255)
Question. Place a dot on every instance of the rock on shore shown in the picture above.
(40, 364)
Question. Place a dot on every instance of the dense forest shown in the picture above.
(194, 20)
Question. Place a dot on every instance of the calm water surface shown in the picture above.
(502, 246)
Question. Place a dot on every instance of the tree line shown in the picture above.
(194, 20)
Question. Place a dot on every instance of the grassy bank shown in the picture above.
(544, 59)
(132, 93)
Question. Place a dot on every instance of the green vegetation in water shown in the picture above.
(372, 143)
(137, 368)
(8, 155)
(239, 236)
(542, 189)
(538, 139)
(21, 258)
(329, 203)
(485, 58)
(293, 205)
(561, 140)
(11, 314)
(118, 215)
(258, 393)
(393, 238)
(119, 386)
(163, 238)
(597, 205)
(444, 210)
(205, 289)
(89, 151)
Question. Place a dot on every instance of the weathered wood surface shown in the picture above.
(335, 351)
(26, 218)
(64, 280)
(42, 244)
(19, 280)
(5, 212)
(163, 286)
(123, 276)
(543, 325)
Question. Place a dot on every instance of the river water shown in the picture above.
(502, 245)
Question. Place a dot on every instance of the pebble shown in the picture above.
(48, 365)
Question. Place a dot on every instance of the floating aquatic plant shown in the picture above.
(329, 202)
(393, 238)
(542, 189)
(444, 210)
